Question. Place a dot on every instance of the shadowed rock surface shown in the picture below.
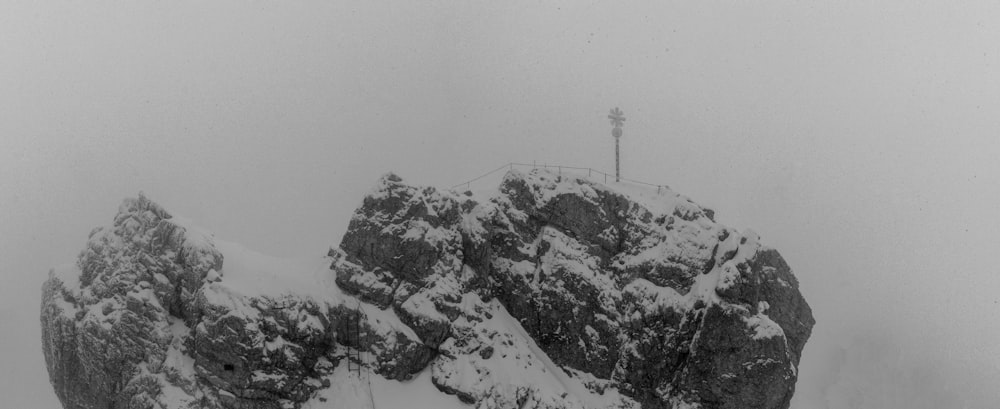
(553, 292)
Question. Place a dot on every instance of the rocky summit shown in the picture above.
(553, 291)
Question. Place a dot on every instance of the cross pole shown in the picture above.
(617, 118)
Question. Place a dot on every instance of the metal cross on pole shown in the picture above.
(617, 118)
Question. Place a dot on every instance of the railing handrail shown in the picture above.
(590, 171)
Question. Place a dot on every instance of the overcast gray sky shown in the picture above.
(858, 138)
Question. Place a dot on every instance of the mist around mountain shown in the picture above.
(859, 138)
(848, 370)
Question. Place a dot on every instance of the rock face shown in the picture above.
(556, 292)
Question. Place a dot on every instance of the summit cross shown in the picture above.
(617, 118)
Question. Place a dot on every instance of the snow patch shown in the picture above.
(763, 327)
(249, 273)
(349, 390)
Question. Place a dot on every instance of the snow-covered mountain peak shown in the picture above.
(556, 291)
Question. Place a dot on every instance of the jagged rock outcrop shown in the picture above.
(556, 292)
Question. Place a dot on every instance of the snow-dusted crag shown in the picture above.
(554, 292)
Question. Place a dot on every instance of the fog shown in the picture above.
(859, 139)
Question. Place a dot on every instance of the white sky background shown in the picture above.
(861, 140)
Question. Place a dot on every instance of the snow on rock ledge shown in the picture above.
(556, 292)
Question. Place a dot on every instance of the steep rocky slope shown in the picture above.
(554, 292)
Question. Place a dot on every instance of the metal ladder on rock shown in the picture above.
(354, 358)
(355, 355)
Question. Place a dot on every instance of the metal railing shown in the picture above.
(591, 172)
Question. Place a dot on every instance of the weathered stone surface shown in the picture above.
(140, 313)
(637, 295)
(612, 274)
(648, 293)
